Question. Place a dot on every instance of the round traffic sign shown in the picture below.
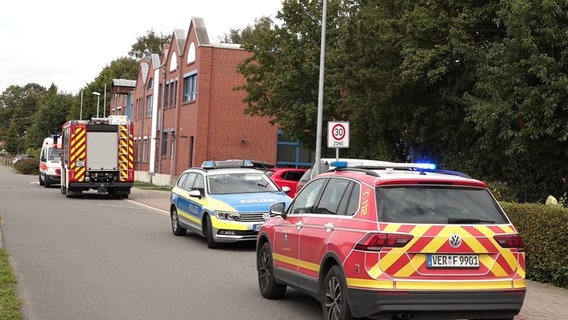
(338, 131)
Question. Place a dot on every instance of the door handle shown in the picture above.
(329, 226)
(299, 225)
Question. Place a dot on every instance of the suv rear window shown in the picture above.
(438, 205)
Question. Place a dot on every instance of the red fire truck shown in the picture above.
(98, 154)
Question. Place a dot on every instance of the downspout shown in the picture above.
(176, 124)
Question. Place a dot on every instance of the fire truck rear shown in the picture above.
(98, 154)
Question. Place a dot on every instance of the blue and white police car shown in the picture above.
(223, 201)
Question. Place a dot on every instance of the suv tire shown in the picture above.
(265, 268)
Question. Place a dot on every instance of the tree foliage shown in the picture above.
(86, 103)
(282, 75)
(474, 85)
(520, 102)
(148, 44)
(52, 111)
(18, 104)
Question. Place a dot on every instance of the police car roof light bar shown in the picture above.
(210, 164)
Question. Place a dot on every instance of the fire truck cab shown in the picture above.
(98, 154)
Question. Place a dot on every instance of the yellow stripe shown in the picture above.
(454, 285)
(370, 284)
(296, 262)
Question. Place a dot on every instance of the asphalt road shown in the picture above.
(99, 258)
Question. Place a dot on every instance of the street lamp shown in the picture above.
(98, 94)
(319, 129)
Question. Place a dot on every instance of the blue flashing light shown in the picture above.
(426, 166)
(338, 164)
(210, 164)
(247, 163)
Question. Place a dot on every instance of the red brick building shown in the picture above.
(185, 110)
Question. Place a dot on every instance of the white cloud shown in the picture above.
(68, 43)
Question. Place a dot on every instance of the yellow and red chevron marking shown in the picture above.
(405, 268)
(123, 152)
(78, 151)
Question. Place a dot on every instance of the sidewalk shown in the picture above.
(544, 302)
(157, 199)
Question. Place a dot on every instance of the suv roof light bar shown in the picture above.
(373, 164)
(367, 165)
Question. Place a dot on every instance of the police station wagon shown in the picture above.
(223, 201)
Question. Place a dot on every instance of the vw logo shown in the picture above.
(455, 241)
(266, 215)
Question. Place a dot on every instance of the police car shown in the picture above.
(395, 241)
(223, 201)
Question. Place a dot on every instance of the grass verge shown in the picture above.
(10, 304)
(149, 186)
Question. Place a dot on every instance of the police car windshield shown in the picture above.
(229, 183)
(438, 205)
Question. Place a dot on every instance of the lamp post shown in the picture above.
(98, 94)
(317, 164)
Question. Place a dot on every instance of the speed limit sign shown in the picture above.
(338, 134)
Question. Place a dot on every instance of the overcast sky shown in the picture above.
(68, 42)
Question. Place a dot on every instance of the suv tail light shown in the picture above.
(510, 241)
(377, 241)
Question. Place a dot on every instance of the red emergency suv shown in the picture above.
(395, 241)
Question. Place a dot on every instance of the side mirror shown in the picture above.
(278, 209)
(195, 194)
(286, 189)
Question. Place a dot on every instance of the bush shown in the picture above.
(543, 228)
(28, 166)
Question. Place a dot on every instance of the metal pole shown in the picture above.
(317, 164)
(98, 101)
(81, 112)
(105, 102)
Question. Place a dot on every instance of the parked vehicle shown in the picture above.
(19, 157)
(326, 164)
(50, 161)
(223, 201)
(98, 154)
(395, 241)
(286, 177)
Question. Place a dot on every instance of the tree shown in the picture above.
(407, 66)
(19, 106)
(148, 44)
(51, 115)
(282, 74)
(85, 107)
(520, 102)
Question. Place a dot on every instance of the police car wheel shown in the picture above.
(177, 229)
(211, 243)
(334, 301)
(40, 181)
(265, 268)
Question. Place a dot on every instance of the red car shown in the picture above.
(286, 177)
(394, 241)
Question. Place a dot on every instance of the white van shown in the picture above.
(50, 162)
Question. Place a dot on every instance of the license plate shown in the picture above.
(452, 261)
(256, 227)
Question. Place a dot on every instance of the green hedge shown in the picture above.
(544, 229)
